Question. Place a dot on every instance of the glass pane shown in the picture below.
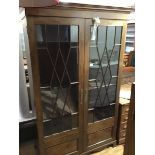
(118, 34)
(110, 38)
(103, 70)
(58, 65)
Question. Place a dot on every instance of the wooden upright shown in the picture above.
(75, 80)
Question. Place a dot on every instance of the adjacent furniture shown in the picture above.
(75, 75)
(122, 120)
(132, 59)
(129, 59)
(129, 148)
(129, 53)
(126, 59)
(130, 37)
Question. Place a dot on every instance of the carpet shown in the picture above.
(118, 150)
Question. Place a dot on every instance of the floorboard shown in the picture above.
(118, 150)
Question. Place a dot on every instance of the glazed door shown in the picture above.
(103, 56)
(57, 52)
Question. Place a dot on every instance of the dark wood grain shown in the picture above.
(75, 141)
(129, 148)
(95, 7)
(100, 125)
(35, 81)
(125, 109)
(75, 13)
(63, 149)
(61, 138)
(122, 134)
(119, 76)
(123, 126)
(100, 146)
(122, 120)
(81, 80)
(121, 141)
(100, 135)
(85, 86)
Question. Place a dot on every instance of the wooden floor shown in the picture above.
(118, 150)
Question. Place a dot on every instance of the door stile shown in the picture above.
(33, 58)
(124, 30)
(88, 23)
(32, 21)
(86, 71)
(81, 89)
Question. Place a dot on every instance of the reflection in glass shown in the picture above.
(57, 47)
(103, 70)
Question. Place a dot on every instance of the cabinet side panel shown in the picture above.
(36, 81)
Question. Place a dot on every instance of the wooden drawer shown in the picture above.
(99, 136)
(63, 148)
(100, 125)
(124, 118)
(122, 134)
(123, 126)
(125, 109)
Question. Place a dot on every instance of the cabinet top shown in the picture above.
(74, 10)
(78, 6)
(95, 7)
(72, 4)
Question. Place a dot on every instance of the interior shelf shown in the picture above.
(130, 35)
(129, 41)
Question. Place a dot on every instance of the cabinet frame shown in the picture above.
(46, 142)
(80, 15)
(104, 22)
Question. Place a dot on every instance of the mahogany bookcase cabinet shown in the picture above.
(75, 79)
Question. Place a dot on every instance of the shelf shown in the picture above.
(129, 45)
(130, 42)
(129, 31)
(131, 26)
(130, 35)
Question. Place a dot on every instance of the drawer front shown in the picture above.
(99, 136)
(63, 148)
(124, 118)
(125, 109)
(123, 126)
(122, 134)
(101, 125)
